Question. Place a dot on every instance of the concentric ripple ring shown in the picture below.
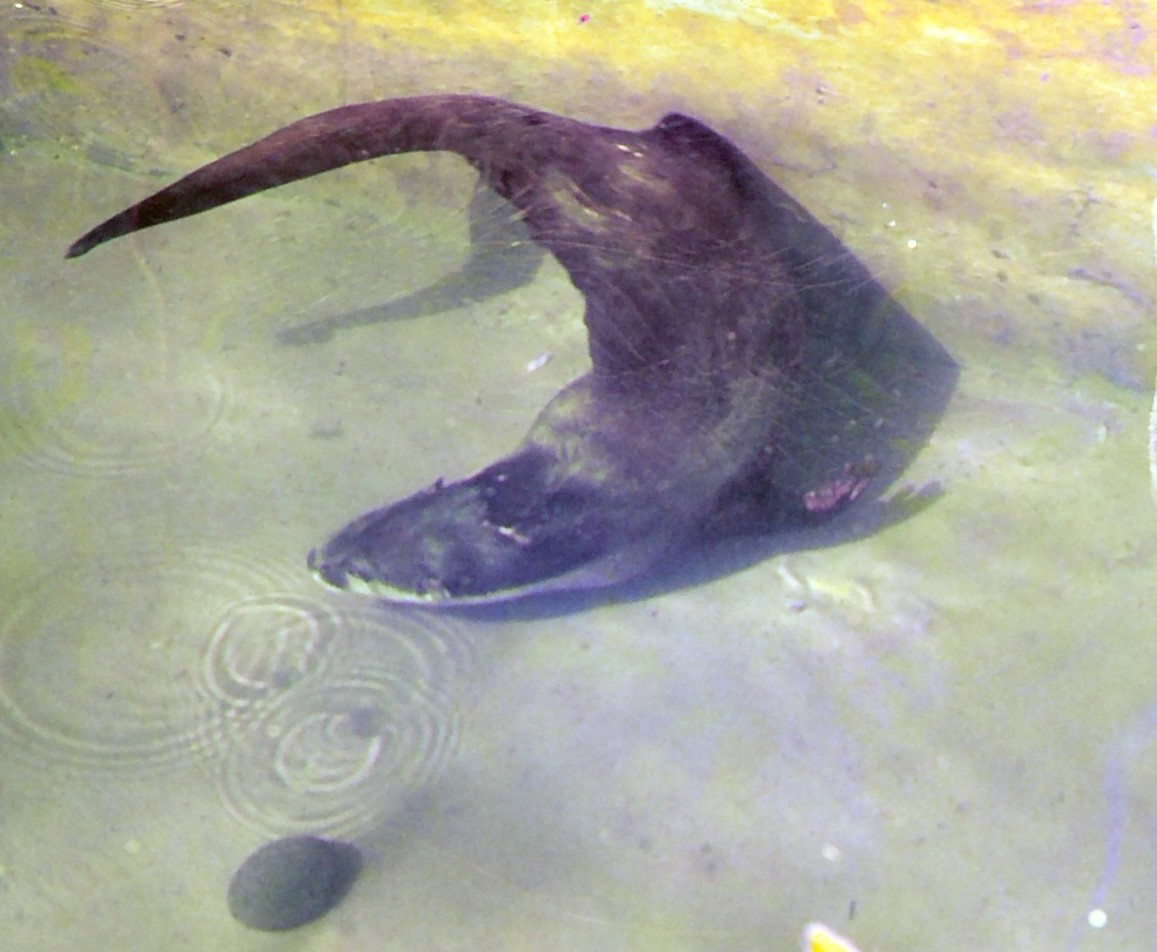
(348, 734)
(98, 658)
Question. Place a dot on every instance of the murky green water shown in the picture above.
(940, 736)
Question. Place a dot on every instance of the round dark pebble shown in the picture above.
(292, 881)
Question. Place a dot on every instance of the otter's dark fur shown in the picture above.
(711, 296)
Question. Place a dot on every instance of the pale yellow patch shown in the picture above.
(819, 938)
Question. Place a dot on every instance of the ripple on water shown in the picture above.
(150, 658)
(104, 412)
(330, 738)
(264, 645)
(99, 658)
(31, 28)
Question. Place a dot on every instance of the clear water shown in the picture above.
(941, 736)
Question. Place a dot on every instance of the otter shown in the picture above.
(730, 336)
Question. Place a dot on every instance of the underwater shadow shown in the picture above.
(503, 257)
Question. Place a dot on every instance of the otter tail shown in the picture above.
(328, 141)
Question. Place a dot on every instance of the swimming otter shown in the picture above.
(712, 298)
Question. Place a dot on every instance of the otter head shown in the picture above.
(515, 528)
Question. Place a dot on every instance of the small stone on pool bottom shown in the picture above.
(292, 881)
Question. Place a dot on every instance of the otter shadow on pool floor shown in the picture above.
(503, 257)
